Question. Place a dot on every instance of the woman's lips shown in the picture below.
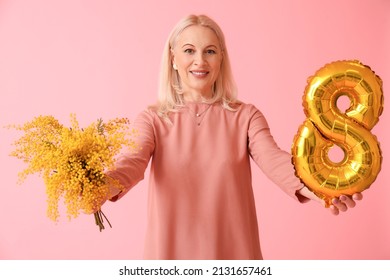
(199, 73)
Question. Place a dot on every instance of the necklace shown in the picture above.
(199, 116)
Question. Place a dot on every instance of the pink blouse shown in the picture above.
(201, 203)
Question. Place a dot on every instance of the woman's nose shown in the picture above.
(199, 59)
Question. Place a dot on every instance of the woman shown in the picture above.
(200, 139)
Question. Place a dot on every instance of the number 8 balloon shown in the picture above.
(326, 125)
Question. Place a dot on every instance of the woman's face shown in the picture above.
(198, 56)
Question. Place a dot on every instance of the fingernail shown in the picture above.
(343, 198)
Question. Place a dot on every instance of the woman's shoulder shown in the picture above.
(244, 106)
(147, 114)
(149, 110)
(153, 115)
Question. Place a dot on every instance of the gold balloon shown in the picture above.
(326, 125)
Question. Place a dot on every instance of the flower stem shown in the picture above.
(99, 219)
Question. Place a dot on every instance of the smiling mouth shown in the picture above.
(199, 73)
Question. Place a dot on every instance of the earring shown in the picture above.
(174, 66)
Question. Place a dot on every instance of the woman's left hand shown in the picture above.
(344, 202)
(341, 204)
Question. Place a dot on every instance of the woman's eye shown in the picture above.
(190, 51)
(211, 52)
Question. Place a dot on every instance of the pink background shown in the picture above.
(101, 59)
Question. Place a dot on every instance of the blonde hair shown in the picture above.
(169, 97)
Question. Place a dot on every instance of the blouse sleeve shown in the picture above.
(274, 162)
(130, 167)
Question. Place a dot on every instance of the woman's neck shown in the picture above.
(197, 97)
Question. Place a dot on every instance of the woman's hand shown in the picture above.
(341, 204)
(344, 202)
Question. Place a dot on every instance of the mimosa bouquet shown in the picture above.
(73, 161)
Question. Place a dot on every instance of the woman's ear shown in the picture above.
(173, 60)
